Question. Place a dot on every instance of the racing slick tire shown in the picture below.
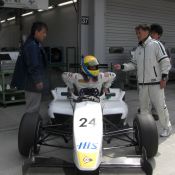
(29, 133)
(146, 135)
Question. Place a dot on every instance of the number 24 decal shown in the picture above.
(85, 122)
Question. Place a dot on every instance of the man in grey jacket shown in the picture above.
(153, 65)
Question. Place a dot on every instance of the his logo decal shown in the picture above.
(87, 160)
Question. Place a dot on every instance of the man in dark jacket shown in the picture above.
(31, 68)
(156, 31)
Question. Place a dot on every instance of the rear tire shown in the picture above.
(146, 134)
(29, 133)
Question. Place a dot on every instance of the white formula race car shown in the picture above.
(89, 120)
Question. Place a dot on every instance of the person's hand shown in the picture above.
(106, 90)
(117, 66)
(39, 85)
(162, 84)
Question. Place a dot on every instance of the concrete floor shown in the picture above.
(11, 162)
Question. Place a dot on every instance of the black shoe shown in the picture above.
(156, 117)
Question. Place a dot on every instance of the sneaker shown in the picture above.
(166, 132)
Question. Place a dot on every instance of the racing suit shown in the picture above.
(152, 64)
(76, 79)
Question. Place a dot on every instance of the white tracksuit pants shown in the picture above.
(154, 95)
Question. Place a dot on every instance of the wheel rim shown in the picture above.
(137, 138)
(37, 137)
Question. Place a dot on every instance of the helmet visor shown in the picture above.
(92, 63)
(92, 67)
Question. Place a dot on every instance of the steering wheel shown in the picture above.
(89, 91)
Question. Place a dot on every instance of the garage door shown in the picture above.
(121, 17)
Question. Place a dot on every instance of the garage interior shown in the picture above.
(108, 34)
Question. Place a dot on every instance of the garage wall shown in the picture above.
(121, 17)
(7, 37)
(87, 30)
(62, 24)
(99, 6)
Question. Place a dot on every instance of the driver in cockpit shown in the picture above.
(89, 77)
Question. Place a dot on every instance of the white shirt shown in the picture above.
(76, 79)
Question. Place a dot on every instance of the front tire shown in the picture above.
(29, 133)
(146, 134)
(95, 172)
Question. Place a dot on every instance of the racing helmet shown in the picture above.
(89, 66)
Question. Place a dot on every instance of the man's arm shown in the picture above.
(68, 78)
(108, 78)
(164, 63)
(132, 65)
(33, 65)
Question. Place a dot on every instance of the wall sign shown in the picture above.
(116, 49)
(26, 4)
(85, 20)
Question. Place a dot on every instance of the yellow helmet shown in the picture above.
(89, 66)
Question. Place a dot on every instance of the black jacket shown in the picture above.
(31, 67)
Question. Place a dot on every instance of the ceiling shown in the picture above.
(10, 12)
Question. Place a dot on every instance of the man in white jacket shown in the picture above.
(153, 65)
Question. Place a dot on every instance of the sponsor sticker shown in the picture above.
(87, 160)
(87, 145)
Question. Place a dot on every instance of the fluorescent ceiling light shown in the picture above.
(26, 14)
(12, 18)
(2, 21)
(40, 10)
(50, 7)
(66, 3)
